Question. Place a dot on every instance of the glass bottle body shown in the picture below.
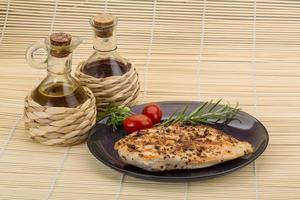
(105, 61)
(59, 88)
(102, 65)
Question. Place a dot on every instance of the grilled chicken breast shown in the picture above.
(179, 147)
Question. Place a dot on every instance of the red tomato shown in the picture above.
(137, 122)
(153, 111)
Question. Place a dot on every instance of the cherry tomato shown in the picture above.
(153, 111)
(137, 122)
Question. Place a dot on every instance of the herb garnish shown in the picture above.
(203, 113)
(115, 114)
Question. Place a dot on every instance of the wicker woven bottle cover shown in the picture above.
(59, 125)
(120, 90)
(60, 44)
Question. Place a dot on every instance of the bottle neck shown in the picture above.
(59, 65)
(105, 44)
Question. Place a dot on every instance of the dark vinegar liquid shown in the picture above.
(105, 68)
(60, 95)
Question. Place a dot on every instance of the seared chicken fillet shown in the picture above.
(179, 147)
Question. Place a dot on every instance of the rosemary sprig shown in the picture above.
(203, 113)
(115, 114)
(206, 112)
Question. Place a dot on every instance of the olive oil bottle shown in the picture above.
(59, 88)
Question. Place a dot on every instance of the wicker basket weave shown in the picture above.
(120, 90)
(59, 125)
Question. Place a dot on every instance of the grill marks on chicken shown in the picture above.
(179, 147)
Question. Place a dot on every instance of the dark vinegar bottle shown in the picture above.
(105, 61)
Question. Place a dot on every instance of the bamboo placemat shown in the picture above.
(246, 51)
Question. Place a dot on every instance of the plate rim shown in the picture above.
(159, 178)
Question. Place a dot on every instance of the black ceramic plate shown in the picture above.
(102, 139)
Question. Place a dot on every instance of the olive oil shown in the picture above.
(59, 88)
(59, 94)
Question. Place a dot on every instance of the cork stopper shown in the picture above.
(60, 44)
(104, 24)
(60, 39)
(103, 20)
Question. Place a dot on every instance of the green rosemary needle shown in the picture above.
(115, 114)
(207, 111)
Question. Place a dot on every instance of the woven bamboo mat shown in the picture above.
(246, 51)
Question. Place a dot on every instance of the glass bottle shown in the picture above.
(59, 88)
(105, 61)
